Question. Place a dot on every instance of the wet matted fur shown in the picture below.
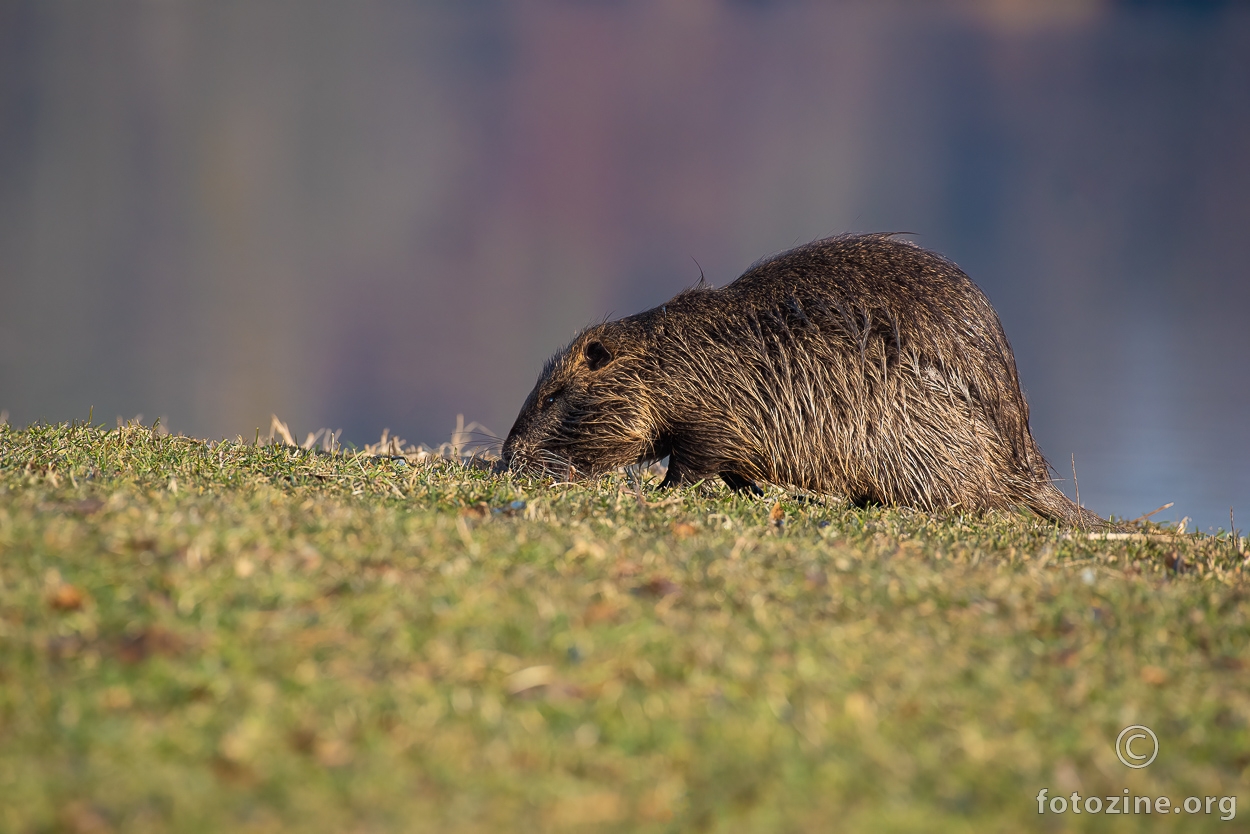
(860, 365)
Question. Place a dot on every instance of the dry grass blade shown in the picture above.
(1143, 518)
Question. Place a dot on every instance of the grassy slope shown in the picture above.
(216, 636)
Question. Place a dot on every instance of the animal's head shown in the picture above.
(592, 409)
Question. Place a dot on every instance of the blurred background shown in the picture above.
(382, 214)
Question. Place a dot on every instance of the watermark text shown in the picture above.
(1225, 806)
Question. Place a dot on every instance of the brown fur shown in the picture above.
(860, 365)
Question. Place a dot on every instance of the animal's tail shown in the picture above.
(1047, 500)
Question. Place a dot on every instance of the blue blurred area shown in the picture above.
(382, 214)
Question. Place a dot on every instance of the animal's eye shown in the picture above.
(550, 399)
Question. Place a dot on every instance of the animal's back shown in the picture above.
(866, 366)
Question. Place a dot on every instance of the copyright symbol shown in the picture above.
(1143, 737)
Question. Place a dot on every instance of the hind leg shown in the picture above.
(675, 476)
(740, 484)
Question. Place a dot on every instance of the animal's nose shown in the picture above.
(513, 457)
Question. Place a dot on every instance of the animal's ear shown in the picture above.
(596, 355)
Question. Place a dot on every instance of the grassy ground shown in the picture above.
(202, 636)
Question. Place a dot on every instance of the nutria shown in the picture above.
(861, 366)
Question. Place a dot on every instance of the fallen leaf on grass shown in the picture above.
(529, 678)
(534, 681)
(625, 568)
(87, 506)
(303, 740)
(332, 752)
(137, 647)
(683, 530)
(657, 804)
(657, 587)
(66, 597)
(588, 809)
(601, 612)
(80, 817)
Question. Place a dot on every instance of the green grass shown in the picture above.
(203, 636)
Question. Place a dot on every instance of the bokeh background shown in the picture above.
(382, 214)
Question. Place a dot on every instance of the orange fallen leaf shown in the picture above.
(684, 530)
(66, 597)
(601, 611)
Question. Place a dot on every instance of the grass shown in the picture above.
(223, 636)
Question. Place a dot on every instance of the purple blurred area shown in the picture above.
(379, 215)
